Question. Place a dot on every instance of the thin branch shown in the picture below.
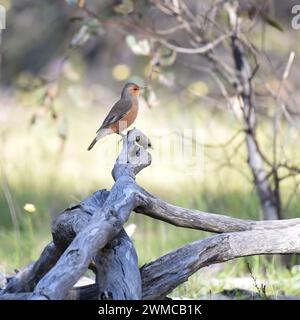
(201, 50)
(169, 31)
(200, 220)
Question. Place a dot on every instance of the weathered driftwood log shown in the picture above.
(15, 296)
(105, 224)
(206, 221)
(161, 276)
(68, 224)
(65, 228)
(118, 276)
(92, 231)
(166, 273)
(114, 264)
(159, 209)
(97, 221)
(88, 292)
(26, 279)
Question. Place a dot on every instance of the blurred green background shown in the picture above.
(54, 98)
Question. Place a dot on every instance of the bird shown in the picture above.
(122, 114)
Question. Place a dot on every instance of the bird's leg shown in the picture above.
(124, 136)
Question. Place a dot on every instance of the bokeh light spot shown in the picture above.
(121, 72)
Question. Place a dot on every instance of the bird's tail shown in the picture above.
(92, 144)
(101, 133)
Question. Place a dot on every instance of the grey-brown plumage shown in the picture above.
(117, 112)
(122, 114)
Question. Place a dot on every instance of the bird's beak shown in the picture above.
(142, 88)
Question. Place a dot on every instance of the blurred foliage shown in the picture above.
(90, 28)
(198, 88)
(138, 47)
(125, 7)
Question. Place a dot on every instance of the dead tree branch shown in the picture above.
(166, 273)
(26, 279)
(91, 234)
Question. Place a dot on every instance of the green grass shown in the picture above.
(37, 173)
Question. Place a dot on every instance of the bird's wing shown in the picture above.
(117, 112)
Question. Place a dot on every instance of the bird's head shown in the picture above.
(131, 90)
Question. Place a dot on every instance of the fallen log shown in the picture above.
(91, 235)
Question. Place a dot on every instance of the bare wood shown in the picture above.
(133, 157)
(88, 292)
(118, 275)
(15, 296)
(163, 275)
(200, 220)
(104, 225)
(116, 265)
(72, 220)
(93, 231)
(26, 279)
(64, 228)
(159, 209)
